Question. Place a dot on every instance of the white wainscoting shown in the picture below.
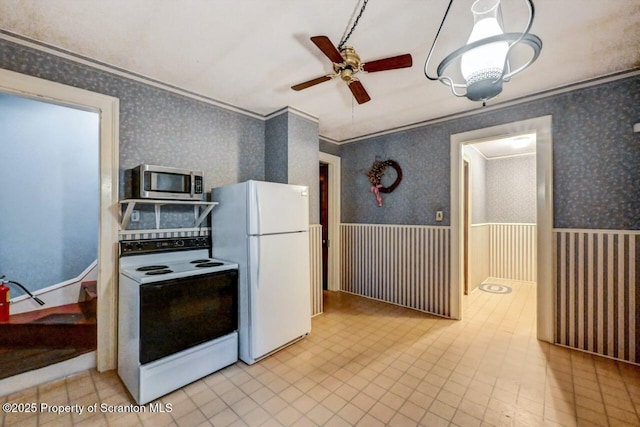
(505, 251)
(513, 251)
(597, 284)
(479, 255)
(401, 264)
(315, 250)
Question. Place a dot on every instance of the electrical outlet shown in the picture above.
(439, 216)
(135, 216)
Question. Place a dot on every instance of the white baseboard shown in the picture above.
(48, 373)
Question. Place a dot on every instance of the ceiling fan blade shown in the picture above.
(392, 63)
(312, 82)
(325, 45)
(358, 91)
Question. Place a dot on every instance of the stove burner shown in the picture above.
(200, 261)
(152, 267)
(210, 264)
(158, 272)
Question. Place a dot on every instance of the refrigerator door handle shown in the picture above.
(258, 209)
(258, 262)
(254, 260)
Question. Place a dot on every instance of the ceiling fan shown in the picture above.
(347, 63)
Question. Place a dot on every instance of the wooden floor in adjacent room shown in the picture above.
(40, 338)
(369, 363)
(14, 361)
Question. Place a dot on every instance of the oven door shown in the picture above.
(182, 313)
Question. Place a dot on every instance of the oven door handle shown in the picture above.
(156, 286)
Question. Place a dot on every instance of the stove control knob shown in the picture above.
(127, 247)
(202, 242)
(139, 246)
(179, 243)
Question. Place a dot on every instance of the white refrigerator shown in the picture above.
(264, 228)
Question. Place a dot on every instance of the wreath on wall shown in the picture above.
(376, 173)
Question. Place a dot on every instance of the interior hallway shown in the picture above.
(370, 363)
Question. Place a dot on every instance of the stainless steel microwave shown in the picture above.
(161, 182)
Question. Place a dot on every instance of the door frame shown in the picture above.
(108, 109)
(333, 268)
(544, 215)
(466, 220)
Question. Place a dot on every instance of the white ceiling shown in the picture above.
(512, 145)
(247, 53)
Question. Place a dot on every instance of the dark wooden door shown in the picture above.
(324, 218)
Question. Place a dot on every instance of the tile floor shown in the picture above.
(368, 363)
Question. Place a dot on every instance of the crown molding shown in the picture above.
(521, 100)
(295, 111)
(121, 72)
(102, 66)
(66, 54)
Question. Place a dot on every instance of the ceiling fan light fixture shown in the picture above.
(484, 60)
(346, 63)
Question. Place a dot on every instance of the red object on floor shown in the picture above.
(4, 303)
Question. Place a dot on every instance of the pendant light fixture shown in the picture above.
(484, 60)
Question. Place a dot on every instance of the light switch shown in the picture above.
(135, 216)
(439, 215)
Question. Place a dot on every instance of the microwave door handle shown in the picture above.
(193, 184)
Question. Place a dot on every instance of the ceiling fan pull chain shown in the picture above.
(350, 21)
(353, 27)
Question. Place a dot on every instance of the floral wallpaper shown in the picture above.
(423, 156)
(276, 160)
(159, 127)
(511, 190)
(596, 158)
(596, 154)
(329, 147)
(303, 160)
(291, 155)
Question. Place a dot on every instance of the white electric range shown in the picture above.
(178, 314)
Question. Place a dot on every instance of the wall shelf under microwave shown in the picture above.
(200, 209)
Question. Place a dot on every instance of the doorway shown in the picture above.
(324, 220)
(499, 199)
(466, 207)
(544, 216)
(107, 106)
(50, 237)
(331, 264)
